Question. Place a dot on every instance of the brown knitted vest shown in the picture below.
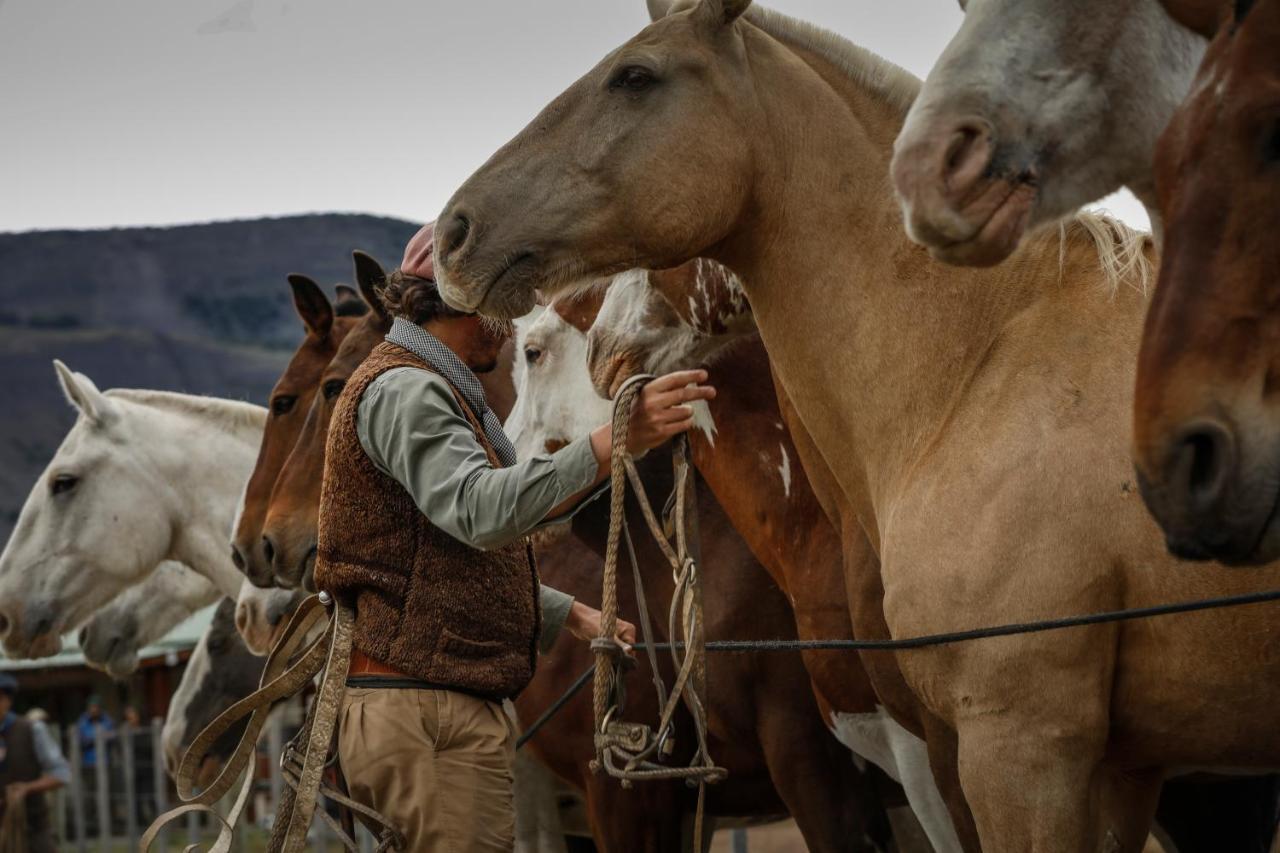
(426, 604)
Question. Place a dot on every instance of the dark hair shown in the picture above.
(415, 299)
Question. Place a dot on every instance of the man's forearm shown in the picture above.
(602, 447)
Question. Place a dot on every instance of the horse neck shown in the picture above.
(753, 470)
(873, 341)
(202, 475)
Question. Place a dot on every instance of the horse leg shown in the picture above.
(832, 802)
(645, 819)
(943, 747)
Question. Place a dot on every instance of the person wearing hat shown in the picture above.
(30, 764)
(424, 521)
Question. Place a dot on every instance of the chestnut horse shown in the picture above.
(762, 719)
(1206, 425)
(1035, 108)
(289, 532)
(976, 420)
(326, 325)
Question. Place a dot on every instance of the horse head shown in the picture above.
(1035, 108)
(1206, 420)
(263, 614)
(326, 325)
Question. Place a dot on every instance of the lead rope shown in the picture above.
(629, 751)
(283, 676)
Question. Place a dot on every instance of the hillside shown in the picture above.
(201, 309)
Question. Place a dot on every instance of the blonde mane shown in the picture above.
(230, 413)
(1121, 249)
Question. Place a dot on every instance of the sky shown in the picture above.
(149, 112)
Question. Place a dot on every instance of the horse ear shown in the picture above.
(370, 277)
(725, 12)
(83, 394)
(312, 305)
(658, 9)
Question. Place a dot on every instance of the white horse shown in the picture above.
(143, 614)
(1035, 108)
(143, 476)
(262, 614)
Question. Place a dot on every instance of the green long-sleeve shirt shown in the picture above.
(413, 429)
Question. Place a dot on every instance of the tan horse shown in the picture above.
(976, 421)
(1206, 425)
(289, 401)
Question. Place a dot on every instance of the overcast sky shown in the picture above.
(128, 112)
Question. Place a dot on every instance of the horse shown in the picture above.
(696, 316)
(142, 476)
(262, 614)
(289, 532)
(976, 420)
(1206, 432)
(1035, 108)
(326, 324)
(221, 671)
(141, 615)
(761, 710)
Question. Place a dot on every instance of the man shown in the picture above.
(424, 516)
(30, 764)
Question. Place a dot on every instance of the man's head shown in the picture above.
(94, 706)
(8, 689)
(410, 292)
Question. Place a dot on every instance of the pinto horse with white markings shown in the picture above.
(1034, 109)
(1206, 423)
(976, 420)
(763, 722)
(142, 477)
(326, 325)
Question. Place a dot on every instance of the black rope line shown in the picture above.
(927, 640)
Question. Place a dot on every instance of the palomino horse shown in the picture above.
(141, 615)
(760, 719)
(685, 318)
(290, 527)
(143, 476)
(1035, 108)
(263, 613)
(220, 672)
(1206, 427)
(326, 325)
(976, 420)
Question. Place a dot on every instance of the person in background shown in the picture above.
(30, 764)
(93, 719)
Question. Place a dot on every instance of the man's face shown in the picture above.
(487, 337)
(6, 703)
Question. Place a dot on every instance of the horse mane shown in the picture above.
(1121, 249)
(233, 414)
(897, 86)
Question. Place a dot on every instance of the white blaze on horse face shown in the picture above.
(1076, 92)
(555, 401)
(882, 741)
(141, 477)
(262, 614)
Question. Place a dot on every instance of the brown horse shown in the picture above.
(1206, 423)
(289, 532)
(763, 721)
(976, 420)
(326, 325)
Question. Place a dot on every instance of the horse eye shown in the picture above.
(333, 388)
(63, 483)
(633, 78)
(532, 354)
(283, 404)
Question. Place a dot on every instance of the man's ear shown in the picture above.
(312, 305)
(369, 278)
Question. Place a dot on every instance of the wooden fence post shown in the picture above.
(77, 786)
(159, 779)
(103, 792)
(128, 763)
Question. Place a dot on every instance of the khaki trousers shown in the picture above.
(436, 763)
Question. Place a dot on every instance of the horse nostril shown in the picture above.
(268, 549)
(967, 155)
(82, 636)
(5, 624)
(454, 235)
(237, 558)
(1204, 458)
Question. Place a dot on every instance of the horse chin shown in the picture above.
(994, 240)
(122, 665)
(40, 646)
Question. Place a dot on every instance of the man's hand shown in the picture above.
(15, 793)
(584, 621)
(663, 410)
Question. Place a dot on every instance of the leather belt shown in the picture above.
(362, 664)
